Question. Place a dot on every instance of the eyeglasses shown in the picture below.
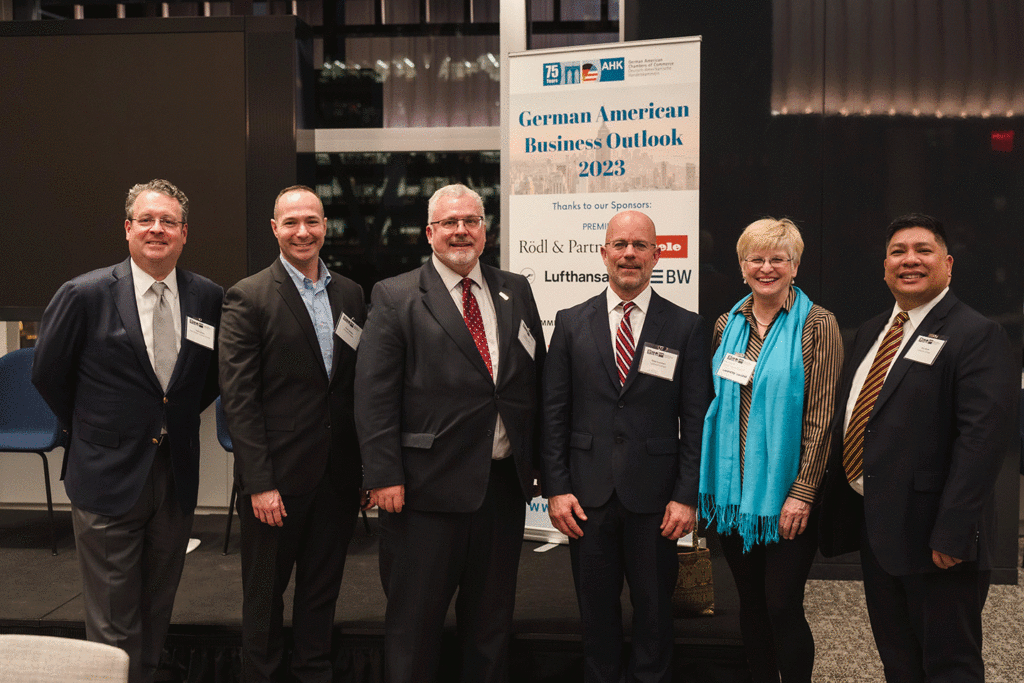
(774, 262)
(639, 246)
(451, 223)
(148, 222)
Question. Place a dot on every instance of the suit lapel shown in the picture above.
(931, 324)
(123, 293)
(602, 334)
(504, 312)
(290, 296)
(438, 301)
(337, 308)
(188, 304)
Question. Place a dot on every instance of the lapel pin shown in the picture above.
(503, 295)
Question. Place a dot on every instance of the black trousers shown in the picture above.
(426, 556)
(770, 581)
(313, 540)
(927, 627)
(618, 544)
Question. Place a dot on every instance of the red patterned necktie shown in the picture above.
(475, 323)
(624, 344)
(853, 442)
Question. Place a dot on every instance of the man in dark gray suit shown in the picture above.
(626, 385)
(125, 358)
(447, 391)
(288, 346)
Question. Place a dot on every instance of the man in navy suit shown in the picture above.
(626, 385)
(918, 442)
(125, 358)
(447, 394)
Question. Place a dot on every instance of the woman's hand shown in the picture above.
(793, 520)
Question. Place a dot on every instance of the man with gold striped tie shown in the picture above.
(926, 415)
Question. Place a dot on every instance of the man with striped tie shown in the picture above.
(926, 415)
(626, 384)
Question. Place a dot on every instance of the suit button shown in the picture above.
(165, 400)
(497, 397)
(490, 432)
(619, 439)
(156, 441)
(622, 404)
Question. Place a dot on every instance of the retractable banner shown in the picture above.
(593, 131)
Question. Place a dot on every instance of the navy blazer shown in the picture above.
(92, 368)
(641, 439)
(933, 446)
(426, 405)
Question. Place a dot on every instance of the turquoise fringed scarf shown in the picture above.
(774, 429)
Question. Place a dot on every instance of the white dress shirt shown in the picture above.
(502, 448)
(916, 315)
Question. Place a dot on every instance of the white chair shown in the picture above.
(46, 659)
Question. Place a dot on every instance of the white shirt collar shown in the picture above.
(642, 300)
(143, 280)
(918, 314)
(451, 279)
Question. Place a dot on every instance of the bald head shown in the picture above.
(630, 253)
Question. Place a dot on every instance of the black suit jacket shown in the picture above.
(289, 421)
(933, 446)
(92, 368)
(640, 440)
(426, 406)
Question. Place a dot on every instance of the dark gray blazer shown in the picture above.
(426, 405)
(92, 368)
(289, 420)
(642, 439)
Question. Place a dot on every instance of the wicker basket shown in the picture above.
(694, 595)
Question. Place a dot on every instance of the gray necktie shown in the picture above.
(164, 353)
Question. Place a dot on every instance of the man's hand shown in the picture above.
(389, 499)
(269, 508)
(563, 511)
(793, 519)
(678, 520)
(365, 503)
(944, 561)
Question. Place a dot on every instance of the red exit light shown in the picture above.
(1002, 141)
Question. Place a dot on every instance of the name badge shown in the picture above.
(527, 340)
(737, 368)
(198, 332)
(349, 331)
(659, 361)
(926, 349)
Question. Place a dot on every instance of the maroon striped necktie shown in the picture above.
(853, 442)
(624, 344)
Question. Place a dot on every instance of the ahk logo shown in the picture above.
(613, 69)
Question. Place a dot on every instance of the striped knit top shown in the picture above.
(823, 359)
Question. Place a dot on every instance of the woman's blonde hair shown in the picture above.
(770, 233)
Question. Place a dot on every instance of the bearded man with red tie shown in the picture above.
(447, 392)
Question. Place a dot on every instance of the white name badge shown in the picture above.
(349, 331)
(527, 340)
(926, 349)
(737, 368)
(659, 361)
(198, 332)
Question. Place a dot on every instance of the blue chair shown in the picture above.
(224, 437)
(27, 425)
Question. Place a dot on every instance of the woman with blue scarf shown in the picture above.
(765, 446)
